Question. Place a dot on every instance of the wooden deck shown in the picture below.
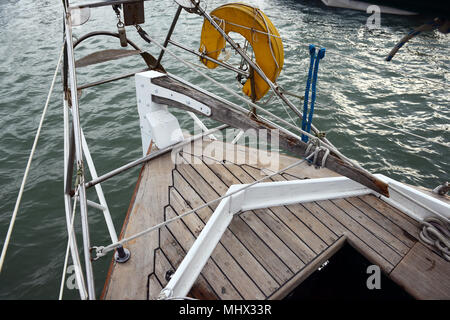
(264, 253)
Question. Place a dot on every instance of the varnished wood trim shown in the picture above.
(124, 226)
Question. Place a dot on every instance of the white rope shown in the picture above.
(436, 233)
(27, 169)
(61, 289)
(180, 298)
(102, 251)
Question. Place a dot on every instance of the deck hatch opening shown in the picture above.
(347, 276)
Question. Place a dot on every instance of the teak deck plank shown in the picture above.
(191, 198)
(423, 274)
(396, 216)
(240, 155)
(154, 287)
(175, 254)
(362, 235)
(311, 230)
(264, 232)
(227, 263)
(261, 250)
(240, 232)
(211, 271)
(331, 222)
(276, 241)
(315, 243)
(386, 251)
(228, 266)
(263, 253)
(381, 233)
(292, 240)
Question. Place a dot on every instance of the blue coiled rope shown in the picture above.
(312, 73)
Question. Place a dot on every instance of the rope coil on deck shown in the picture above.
(316, 148)
(436, 233)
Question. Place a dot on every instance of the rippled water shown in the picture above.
(351, 95)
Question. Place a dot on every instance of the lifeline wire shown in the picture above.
(101, 251)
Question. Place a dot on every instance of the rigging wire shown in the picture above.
(27, 169)
(347, 57)
(236, 94)
(66, 259)
(376, 64)
(351, 58)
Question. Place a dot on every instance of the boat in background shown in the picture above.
(434, 8)
(363, 6)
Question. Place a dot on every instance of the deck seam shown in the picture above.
(378, 225)
(305, 262)
(148, 279)
(387, 217)
(176, 168)
(312, 261)
(201, 275)
(173, 267)
(363, 228)
(211, 260)
(362, 240)
(409, 250)
(337, 235)
(367, 229)
(318, 220)
(388, 221)
(259, 220)
(263, 222)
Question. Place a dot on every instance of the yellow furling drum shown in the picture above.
(256, 27)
